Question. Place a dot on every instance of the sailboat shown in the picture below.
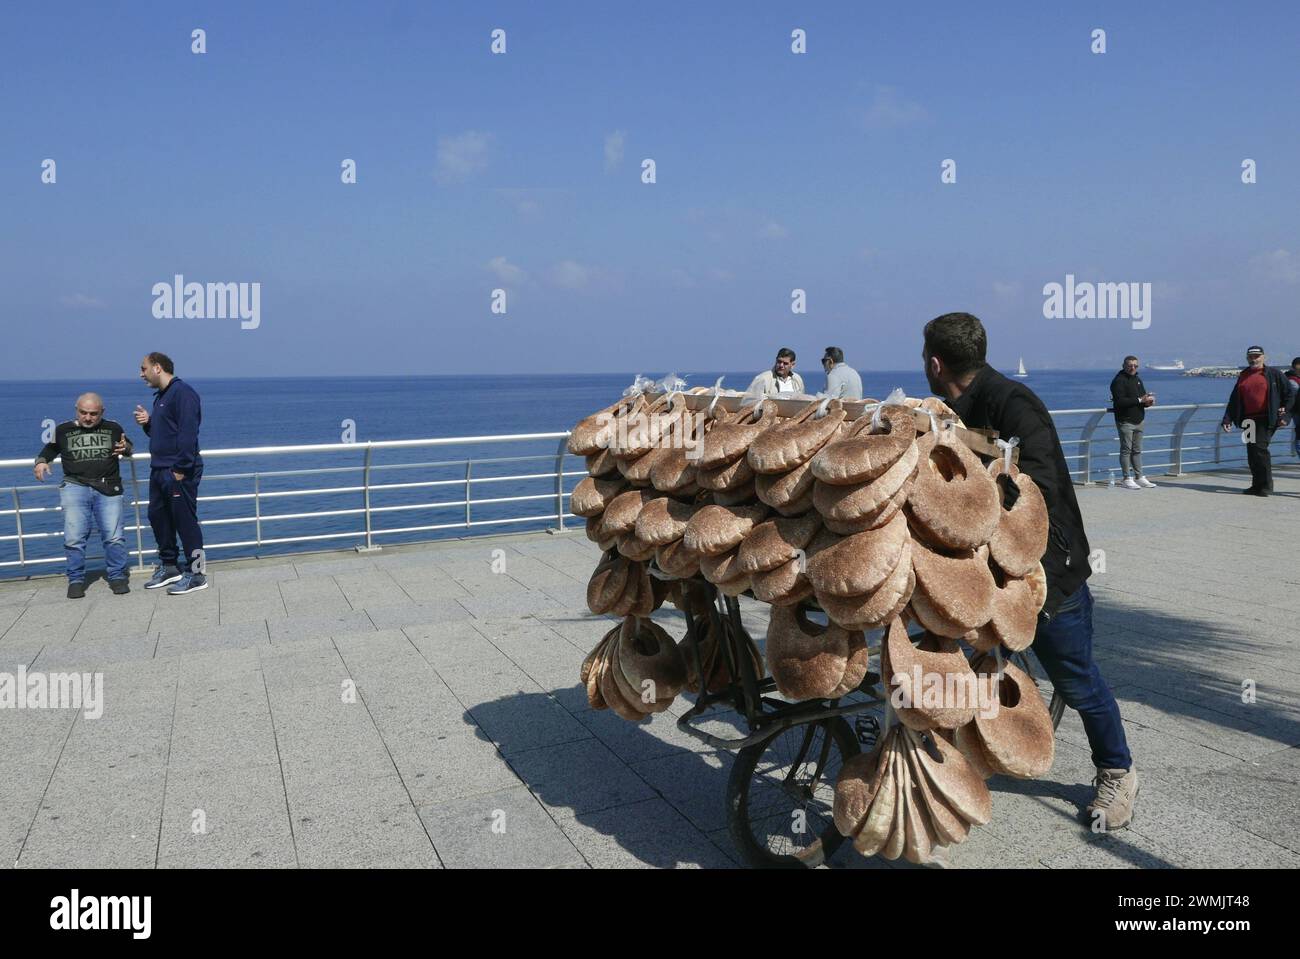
(1022, 372)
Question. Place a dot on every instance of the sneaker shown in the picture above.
(190, 583)
(1251, 490)
(76, 590)
(1117, 791)
(1130, 483)
(1145, 483)
(162, 576)
(120, 587)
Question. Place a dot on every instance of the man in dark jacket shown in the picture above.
(175, 470)
(1293, 375)
(1258, 406)
(89, 448)
(955, 347)
(1129, 399)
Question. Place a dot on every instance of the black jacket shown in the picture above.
(994, 402)
(1279, 392)
(87, 454)
(1126, 394)
(173, 428)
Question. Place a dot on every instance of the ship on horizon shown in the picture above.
(1176, 365)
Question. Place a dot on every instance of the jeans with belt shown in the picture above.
(81, 506)
(1063, 644)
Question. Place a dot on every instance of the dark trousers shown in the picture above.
(173, 510)
(1063, 645)
(1258, 456)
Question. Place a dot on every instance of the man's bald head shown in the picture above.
(90, 409)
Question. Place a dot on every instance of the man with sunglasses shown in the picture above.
(91, 492)
(842, 380)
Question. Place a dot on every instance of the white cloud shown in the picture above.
(1281, 266)
(889, 108)
(462, 156)
(1006, 291)
(614, 143)
(773, 231)
(80, 301)
(571, 275)
(505, 271)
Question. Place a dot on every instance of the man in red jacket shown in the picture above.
(1258, 404)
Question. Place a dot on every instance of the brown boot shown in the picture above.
(1112, 807)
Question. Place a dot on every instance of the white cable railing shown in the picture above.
(356, 511)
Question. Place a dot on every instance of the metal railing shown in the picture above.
(362, 521)
(1176, 438)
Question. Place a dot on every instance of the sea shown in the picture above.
(290, 411)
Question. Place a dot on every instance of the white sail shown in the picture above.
(1022, 371)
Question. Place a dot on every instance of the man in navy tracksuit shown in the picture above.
(175, 470)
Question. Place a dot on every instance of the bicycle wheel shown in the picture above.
(781, 793)
(1030, 664)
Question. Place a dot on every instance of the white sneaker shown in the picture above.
(1130, 483)
(1145, 483)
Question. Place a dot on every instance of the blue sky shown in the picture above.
(521, 171)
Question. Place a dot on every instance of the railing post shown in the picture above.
(1177, 446)
(18, 522)
(559, 482)
(468, 466)
(370, 547)
(257, 507)
(1086, 436)
(139, 532)
(1218, 438)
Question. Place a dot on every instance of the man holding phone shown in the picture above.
(1129, 400)
(175, 470)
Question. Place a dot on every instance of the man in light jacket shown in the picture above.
(781, 379)
(842, 380)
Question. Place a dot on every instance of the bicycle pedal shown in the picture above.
(867, 729)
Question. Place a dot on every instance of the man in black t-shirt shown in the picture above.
(89, 448)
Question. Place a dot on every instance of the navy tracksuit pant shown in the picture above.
(173, 511)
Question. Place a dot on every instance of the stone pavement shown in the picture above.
(226, 739)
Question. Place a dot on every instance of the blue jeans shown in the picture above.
(1063, 644)
(81, 505)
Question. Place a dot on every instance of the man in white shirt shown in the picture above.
(842, 380)
(781, 379)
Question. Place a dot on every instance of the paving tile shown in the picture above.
(507, 829)
(642, 835)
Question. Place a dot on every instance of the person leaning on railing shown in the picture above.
(1260, 401)
(89, 448)
(954, 352)
(1129, 399)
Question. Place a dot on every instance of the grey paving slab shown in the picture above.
(441, 764)
(507, 829)
(237, 820)
(523, 720)
(292, 628)
(695, 784)
(433, 612)
(454, 645)
(642, 835)
(578, 777)
(96, 822)
(178, 642)
(371, 824)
